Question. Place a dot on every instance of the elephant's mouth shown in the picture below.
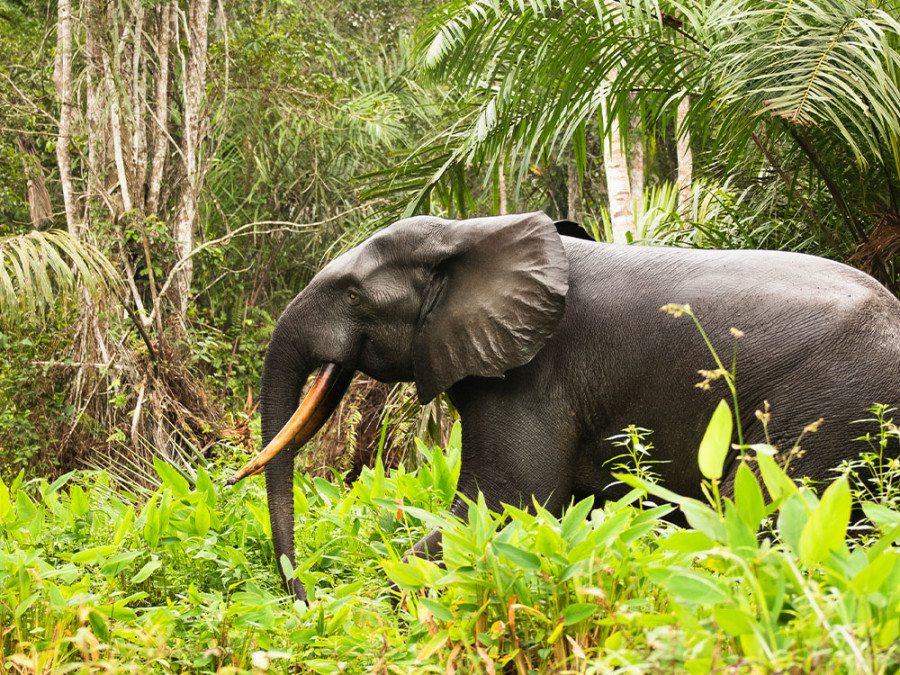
(323, 397)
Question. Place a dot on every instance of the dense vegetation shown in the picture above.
(180, 578)
(172, 173)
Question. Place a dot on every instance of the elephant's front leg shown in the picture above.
(513, 451)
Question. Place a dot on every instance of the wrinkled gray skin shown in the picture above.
(548, 345)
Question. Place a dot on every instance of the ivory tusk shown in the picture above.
(326, 392)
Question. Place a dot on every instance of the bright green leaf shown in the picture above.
(716, 442)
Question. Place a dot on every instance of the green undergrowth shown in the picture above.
(95, 578)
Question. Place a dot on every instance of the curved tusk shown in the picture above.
(323, 397)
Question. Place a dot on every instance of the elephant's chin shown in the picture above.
(319, 403)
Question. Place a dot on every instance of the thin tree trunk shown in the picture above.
(139, 110)
(573, 210)
(501, 186)
(685, 160)
(95, 82)
(193, 134)
(160, 121)
(62, 78)
(621, 211)
(636, 163)
(117, 133)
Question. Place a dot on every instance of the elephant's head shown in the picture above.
(426, 300)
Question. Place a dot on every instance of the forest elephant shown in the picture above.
(548, 344)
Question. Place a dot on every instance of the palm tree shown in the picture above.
(797, 105)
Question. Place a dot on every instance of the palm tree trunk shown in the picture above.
(685, 159)
(501, 187)
(636, 163)
(621, 211)
(573, 212)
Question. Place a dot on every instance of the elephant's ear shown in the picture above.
(500, 288)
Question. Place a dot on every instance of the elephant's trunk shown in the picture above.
(326, 392)
(285, 427)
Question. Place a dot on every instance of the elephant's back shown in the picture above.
(818, 339)
(774, 288)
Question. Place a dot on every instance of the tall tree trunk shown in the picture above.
(62, 79)
(636, 163)
(193, 132)
(501, 186)
(160, 116)
(573, 210)
(685, 159)
(621, 211)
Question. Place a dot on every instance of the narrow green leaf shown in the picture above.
(575, 517)
(748, 497)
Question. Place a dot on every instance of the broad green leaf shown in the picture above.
(871, 577)
(827, 526)
(117, 563)
(25, 507)
(687, 541)
(578, 611)
(144, 573)
(58, 483)
(741, 539)
(205, 486)
(524, 559)
(124, 526)
(5, 505)
(438, 610)
(404, 575)
(92, 555)
(171, 478)
(881, 515)
(328, 490)
(702, 518)
(697, 588)
(791, 521)
(734, 621)
(777, 482)
(715, 443)
(201, 519)
(23, 606)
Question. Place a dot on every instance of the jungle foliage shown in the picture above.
(94, 575)
(170, 177)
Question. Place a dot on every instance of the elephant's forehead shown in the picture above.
(400, 243)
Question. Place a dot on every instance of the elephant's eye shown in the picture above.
(352, 296)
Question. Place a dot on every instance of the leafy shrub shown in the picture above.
(93, 575)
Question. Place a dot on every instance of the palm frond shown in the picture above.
(37, 267)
